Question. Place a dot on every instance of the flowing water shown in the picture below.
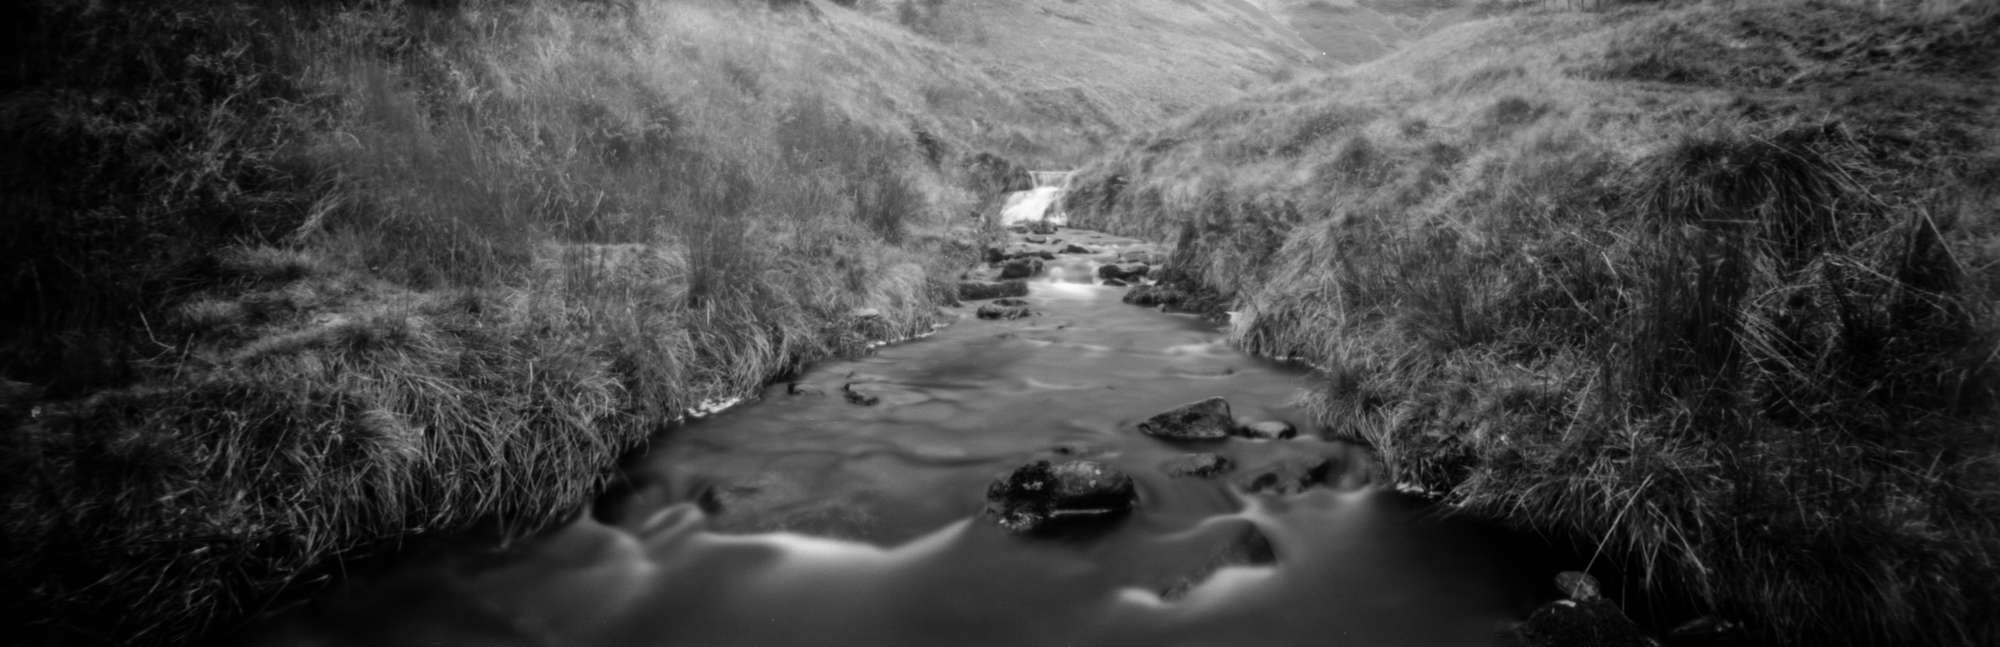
(804, 519)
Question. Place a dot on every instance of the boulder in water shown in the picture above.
(1205, 420)
(1198, 465)
(1032, 238)
(857, 397)
(801, 388)
(1122, 272)
(1248, 547)
(1043, 227)
(1268, 430)
(1115, 283)
(1074, 248)
(1138, 256)
(1004, 309)
(995, 255)
(1155, 295)
(1042, 494)
(1021, 268)
(1288, 475)
(981, 290)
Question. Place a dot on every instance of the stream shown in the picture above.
(804, 518)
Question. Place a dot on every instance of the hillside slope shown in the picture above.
(1709, 292)
(293, 283)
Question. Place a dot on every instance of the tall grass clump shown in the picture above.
(294, 284)
(1732, 343)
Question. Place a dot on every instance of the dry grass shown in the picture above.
(297, 283)
(1728, 328)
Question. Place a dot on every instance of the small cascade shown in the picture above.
(1044, 202)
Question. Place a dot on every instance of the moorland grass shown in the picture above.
(1704, 291)
(293, 283)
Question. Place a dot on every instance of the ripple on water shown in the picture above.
(806, 520)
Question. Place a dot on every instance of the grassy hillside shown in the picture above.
(292, 283)
(1357, 31)
(1139, 59)
(1710, 292)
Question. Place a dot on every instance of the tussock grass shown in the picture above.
(297, 283)
(1732, 338)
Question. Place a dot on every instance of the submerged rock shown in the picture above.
(1198, 465)
(1123, 272)
(1115, 283)
(801, 388)
(1155, 295)
(1021, 268)
(982, 290)
(995, 255)
(1040, 494)
(1268, 430)
(1074, 248)
(857, 397)
(1205, 420)
(1288, 475)
(1004, 309)
(1248, 547)
(1035, 239)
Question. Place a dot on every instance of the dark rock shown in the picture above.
(1036, 239)
(1198, 465)
(1268, 430)
(801, 388)
(1579, 586)
(1075, 249)
(1570, 623)
(1019, 229)
(1123, 272)
(1205, 420)
(1288, 475)
(1248, 547)
(1043, 227)
(1155, 295)
(1030, 253)
(995, 255)
(1041, 493)
(1021, 268)
(857, 397)
(1137, 256)
(1115, 283)
(980, 290)
(1010, 302)
(998, 310)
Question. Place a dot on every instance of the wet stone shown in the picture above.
(994, 255)
(1137, 256)
(1579, 586)
(1155, 295)
(1197, 465)
(1268, 430)
(857, 397)
(1042, 494)
(1122, 272)
(1115, 283)
(1035, 239)
(1020, 268)
(1249, 547)
(1289, 475)
(801, 388)
(1015, 309)
(1205, 420)
(1075, 249)
(1042, 227)
(982, 290)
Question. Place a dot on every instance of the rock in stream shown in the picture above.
(1205, 420)
(1040, 494)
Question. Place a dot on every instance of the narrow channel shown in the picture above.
(809, 517)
